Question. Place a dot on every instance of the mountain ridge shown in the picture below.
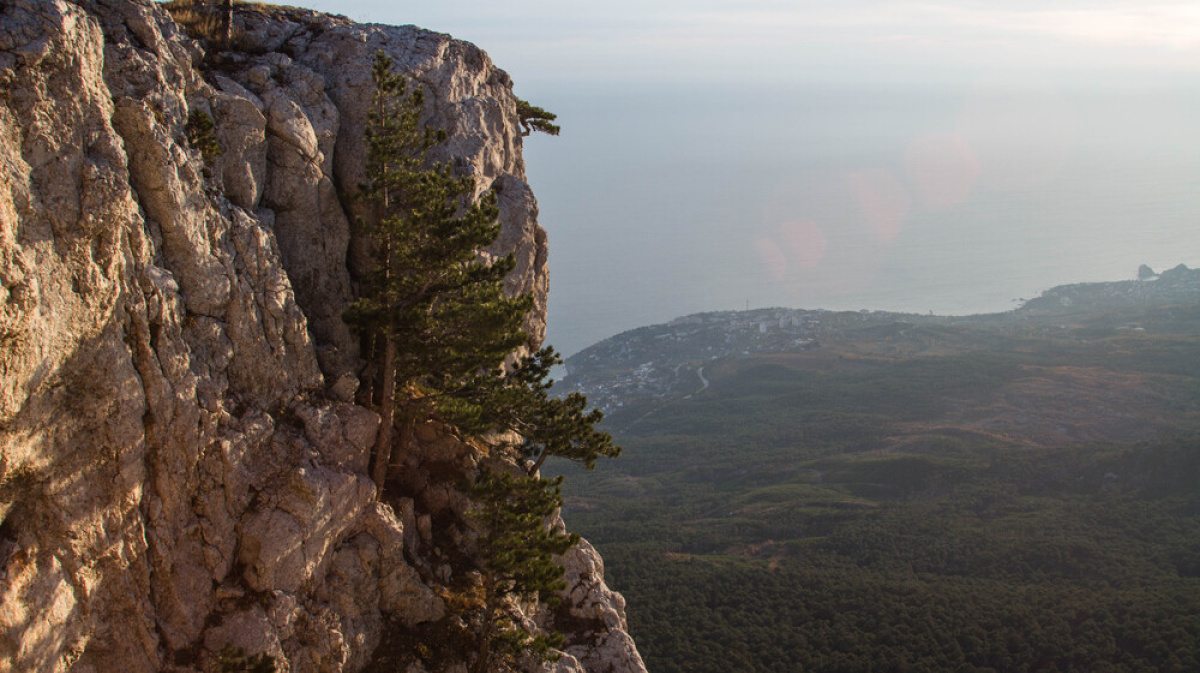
(666, 360)
(183, 478)
(1012, 492)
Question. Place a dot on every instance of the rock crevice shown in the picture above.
(183, 469)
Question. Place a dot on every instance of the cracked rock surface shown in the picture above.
(183, 468)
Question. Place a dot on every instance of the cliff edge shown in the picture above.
(183, 465)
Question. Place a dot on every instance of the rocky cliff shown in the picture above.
(182, 461)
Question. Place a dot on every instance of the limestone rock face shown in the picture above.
(182, 467)
(598, 637)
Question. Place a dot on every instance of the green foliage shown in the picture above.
(1082, 558)
(858, 517)
(437, 315)
(520, 400)
(439, 328)
(432, 312)
(516, 550)
(427, 290)
(534, 118)
(235, 660)
(201, 135)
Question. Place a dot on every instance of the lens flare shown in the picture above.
(772, 257)
(882, 199)
(797, 244)
(805, 242)
(942, 169)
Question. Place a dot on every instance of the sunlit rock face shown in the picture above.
(183, 469)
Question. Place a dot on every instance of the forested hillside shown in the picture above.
(996, 494)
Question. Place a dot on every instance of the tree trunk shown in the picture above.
(490, 608)
(537, 465)
(227, 22)
(387, 416)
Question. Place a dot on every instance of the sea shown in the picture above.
(953, 198)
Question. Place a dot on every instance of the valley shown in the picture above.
(821, 491)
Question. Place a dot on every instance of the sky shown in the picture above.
(707, 40)
(905, 155)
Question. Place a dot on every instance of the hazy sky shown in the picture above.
(707, 40)
(886, 154)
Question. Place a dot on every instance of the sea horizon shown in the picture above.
(956, 198)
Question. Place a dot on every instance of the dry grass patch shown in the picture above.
(205, 19)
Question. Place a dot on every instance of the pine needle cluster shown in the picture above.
(438, 329)
(516, 550)
(433, 312)
(534, 118)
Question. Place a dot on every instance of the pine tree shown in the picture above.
(520, 400)
(439, 329)
(516, 550)
(436, 314)
(555, 426)
(534, 118)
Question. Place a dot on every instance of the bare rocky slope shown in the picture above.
(182, 461)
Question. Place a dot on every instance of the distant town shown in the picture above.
(667, 361)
